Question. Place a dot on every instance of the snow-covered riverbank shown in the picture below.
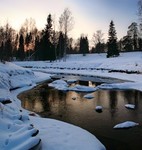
(21, 131)
(128, 66)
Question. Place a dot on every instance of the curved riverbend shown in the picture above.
(73, 108)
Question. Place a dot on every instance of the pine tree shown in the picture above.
(133, 33)
(48, 52)
(8, 50)
(2, 51)
(84, 45)
(15, 46)
(127, 43)
(37, 48)
(60, 46)
(112, 42)
(140, 43)
(21, 53)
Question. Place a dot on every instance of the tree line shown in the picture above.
(31, 44)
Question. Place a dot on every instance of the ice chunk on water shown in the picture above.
(130, 106)
(127, 124)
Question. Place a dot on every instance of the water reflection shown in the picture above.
(132, 97)
(72, 107)
(113, 102)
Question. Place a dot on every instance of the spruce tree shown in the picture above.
(8, 50)
(140, 43)
(2, 51)
(112, 42)
(48, 52)
(60, 46)
(133, 33)
(84, 45)
(21, 53)
(37, 48)
(127, 43)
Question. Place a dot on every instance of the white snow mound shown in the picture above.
(59, 84)
(99, 107)
(89, 96)
(127, 124)
(130, 106)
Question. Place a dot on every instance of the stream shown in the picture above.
(72, 107)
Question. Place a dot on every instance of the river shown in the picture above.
(73, 108)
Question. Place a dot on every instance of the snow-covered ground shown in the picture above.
(19, 130)
(128, 66)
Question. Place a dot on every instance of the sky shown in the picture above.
(89, 15)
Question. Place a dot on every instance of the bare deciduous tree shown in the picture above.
(29, 26)
(98, 37)
(66, 24)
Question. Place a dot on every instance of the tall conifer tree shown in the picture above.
(112, 42)
(84, 45)
(21, 53)
(48, 51)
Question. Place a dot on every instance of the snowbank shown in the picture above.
(57, 135)
(128, 66)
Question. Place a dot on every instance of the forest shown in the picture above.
(29, 43)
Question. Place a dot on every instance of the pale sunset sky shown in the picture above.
(89, 15)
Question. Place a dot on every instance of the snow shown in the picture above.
(97, 65)
(71, 81)
(99, 108)
(21, 131)
(57, 135)
(16, 129)
(89, 96)
(82, 88)
(63, 86)
(59, 85)
(130, 106)
(127, 124)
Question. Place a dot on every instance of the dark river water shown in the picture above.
(73, 108)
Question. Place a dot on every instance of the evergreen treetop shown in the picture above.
(112, 42)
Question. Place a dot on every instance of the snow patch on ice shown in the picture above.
(59, 84)
(89, 96)
(99, 109)
(71, 81)
(127, 124)
(82, 88)
(130, 106)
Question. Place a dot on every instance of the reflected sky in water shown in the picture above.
(73, 108)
